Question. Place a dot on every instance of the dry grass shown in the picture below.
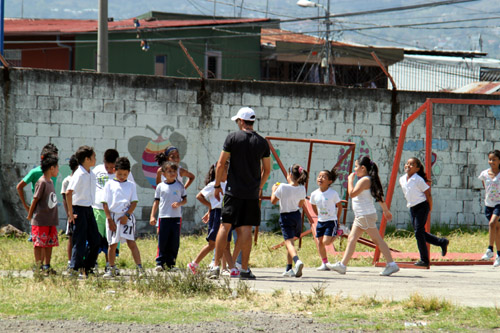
(17, 254)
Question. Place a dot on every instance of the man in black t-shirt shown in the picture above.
(249, 167)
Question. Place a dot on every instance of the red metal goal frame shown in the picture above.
(428, 108)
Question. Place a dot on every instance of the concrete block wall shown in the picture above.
(130, 113)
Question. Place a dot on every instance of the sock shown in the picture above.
(216, 267)
(194, 264)
(107, 263)
(295, 258)
(392, 263)
(47, 266)
(139, 266)
(490, 247)
(341, 264)
(288, 267)
(324, 260)
(69, 262)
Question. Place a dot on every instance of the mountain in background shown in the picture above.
(475, 26)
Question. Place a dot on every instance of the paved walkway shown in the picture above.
(475, 286)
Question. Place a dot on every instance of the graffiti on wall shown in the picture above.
(495, 109)
(144, 150)
(418, 146)
(362, 149)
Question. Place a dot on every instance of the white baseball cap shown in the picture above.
(245, 113)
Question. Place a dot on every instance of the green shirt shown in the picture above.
(33, 176)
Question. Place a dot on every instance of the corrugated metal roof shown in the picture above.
(15, 27)
(486, 88)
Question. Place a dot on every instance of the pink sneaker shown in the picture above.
(235, 273)
(192, 266)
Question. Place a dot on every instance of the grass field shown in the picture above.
(172, 297)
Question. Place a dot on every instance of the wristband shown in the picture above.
(127, 215)
(216, 186)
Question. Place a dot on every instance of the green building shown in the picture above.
(224, 48)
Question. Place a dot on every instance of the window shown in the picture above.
(213, 65)
(161, 65)
(13, 57)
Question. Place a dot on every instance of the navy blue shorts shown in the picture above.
(490, 211)
(291, 224)
(328, 228)
(214, 225)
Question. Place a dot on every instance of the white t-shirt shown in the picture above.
(83, 184)
(290, 197)
(168, 194)
(208, 193)
(65, 183)
(492, 186)
(363, 203)
(102, 176)
(413, 189)
(326, 203)
(119, 195)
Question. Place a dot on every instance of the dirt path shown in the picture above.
(243, 322)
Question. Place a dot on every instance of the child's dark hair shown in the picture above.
(122, 163)
(169, 164)
(332, 174)
(210, 177)
(495, 152)
(299, 174)
(163, 157)
(372, 169)
(111, 155)
(49, 148)
(84, 152)
(420, 166)
(49, 161)
(73, 163)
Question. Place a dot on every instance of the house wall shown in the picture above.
(132, 113)
(240, 56)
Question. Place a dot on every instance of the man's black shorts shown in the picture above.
(240, 212)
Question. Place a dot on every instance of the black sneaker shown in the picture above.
(444, 247)
(421, 263)
(247, 275)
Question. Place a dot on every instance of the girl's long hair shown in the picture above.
(210, 177)
(299, 174)
(375, 185)
(421, 170)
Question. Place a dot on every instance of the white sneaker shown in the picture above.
(323, 267)
(389, 269)
(159, 268)
(298, 268)
(238, 266)
(497, 262)
(111, 273)
(487, 255)
(337, 267)
(289, 273)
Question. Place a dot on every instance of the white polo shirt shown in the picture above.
(413, 189)
(83, 185)
(208, 192)
(102, 177)
(290, 197)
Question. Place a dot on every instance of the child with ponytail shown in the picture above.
(367, 187)
(291, 198)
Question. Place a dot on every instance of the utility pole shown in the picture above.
(2, 17)
(327, 72)
(102, 38)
